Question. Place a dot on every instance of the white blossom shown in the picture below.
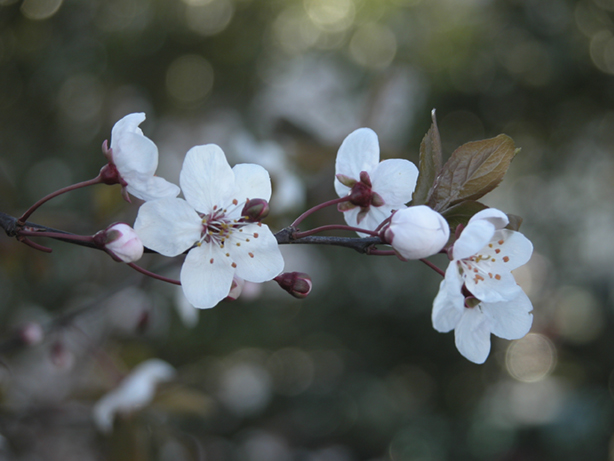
(376, 188)
(484, 256)
(208, 224)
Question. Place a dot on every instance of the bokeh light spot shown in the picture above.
(40, 9)
(292, 370)
(331, 15)
(531, 358)
(578, 316)
(373, 45)
(209, 18)
(189, 79)
(293, 31)
(81, 98)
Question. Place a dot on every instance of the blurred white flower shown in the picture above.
(417, 232)
(134, 392)
(210, 225)
(375, 188)
(135, 158)
(289, 188)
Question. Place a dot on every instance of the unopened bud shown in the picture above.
(416, 232)
(60, 356)
(297, 284)
(122, 241)
(255, 210)
(31, 333)
(235, 289)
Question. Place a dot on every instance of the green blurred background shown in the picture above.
(355, 371)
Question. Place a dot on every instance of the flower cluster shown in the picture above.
(218, 225)
(211, 226)
(479, 295)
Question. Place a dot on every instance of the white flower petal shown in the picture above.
(374, 218)
(169, 226)
(447, 309)
(206, 275)
(153, 188)
(496, 217)
(454, 280)
(395, 180)
(473, 238)
(251, 181)
(515, 250)
(511, 319)
(256, 253)
(132, 151)
(492, 289)
(472, 335)
(359, 151)
(206, 179)
(351, 215)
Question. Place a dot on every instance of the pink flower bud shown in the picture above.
(417, 232)
(31, 333)
(255, 210)
(122, 241)
(297, 284)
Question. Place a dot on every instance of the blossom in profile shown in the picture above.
(417, 232)
(374, 188)
(133, 159)
(134, 392)
(473, 320)
(221, 243)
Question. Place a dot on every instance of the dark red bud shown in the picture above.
(255, 210)
(298, 284)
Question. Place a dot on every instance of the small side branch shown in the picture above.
(362, 245)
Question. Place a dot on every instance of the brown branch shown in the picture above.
(284, 236)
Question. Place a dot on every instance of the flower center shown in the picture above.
(218, 226)
(362, 194)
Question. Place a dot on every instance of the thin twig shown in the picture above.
(284, 236)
